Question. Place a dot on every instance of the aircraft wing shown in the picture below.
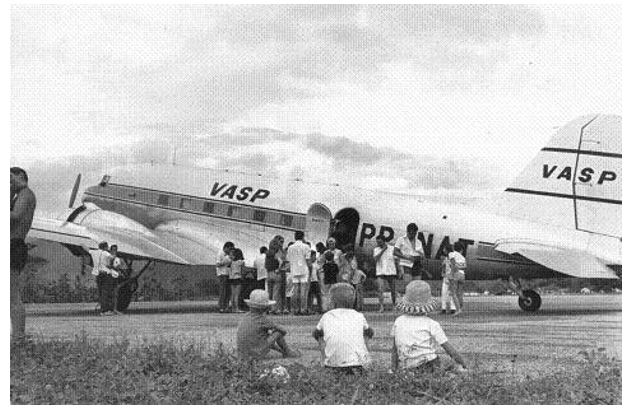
(573, 262)
(131, 243)
(175, 241)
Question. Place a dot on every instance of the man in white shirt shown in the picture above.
(407, 249)
(261, 272)
(386, 270)
(299, 257)
(223, 271)
(105, 280)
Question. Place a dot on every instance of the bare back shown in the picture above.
(22, 210)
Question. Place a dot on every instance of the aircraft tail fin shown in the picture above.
(576, 179)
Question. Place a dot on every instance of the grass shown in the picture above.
(87, 371)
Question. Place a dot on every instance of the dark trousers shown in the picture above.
(314, 292)
(107, 291)
(224, 292)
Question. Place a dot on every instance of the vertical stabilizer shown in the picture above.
(576, 179)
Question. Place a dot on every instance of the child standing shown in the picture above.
(357, 281)
(257, 334)
(342, 332)
(314, 289)
(416, 336)
(330, 271)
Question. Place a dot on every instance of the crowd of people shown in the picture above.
(330, 276)
(298, 278)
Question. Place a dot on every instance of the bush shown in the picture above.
(84, 371)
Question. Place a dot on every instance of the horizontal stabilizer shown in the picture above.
(568, 261)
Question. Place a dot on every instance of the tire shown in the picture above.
(530, 302)
(125, 294)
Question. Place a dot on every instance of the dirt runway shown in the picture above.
(493, 333)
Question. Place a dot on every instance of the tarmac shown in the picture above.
(492, 333)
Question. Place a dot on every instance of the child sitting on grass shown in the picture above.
(416, 336)
(342, 332)
(257, 334)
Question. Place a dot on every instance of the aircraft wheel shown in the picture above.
(125, 294)
(531, 301)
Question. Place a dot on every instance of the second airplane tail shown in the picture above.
(576, 179)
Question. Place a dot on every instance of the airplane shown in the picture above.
(564, 215)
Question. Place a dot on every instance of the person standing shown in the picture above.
(407, 249)
(261, 272)
(223, 271)
(447, 299)
(331, 245)
(330, 271)
(235, 278)
(118, 270)
(299, 257)
(386, 270)
(458, 265)
(102, 269)
(274, 258)
(23, 204)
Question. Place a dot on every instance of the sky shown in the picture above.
(413, 98)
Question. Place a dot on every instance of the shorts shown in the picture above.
(234, 281)
(19, 253)
(300, 279)
(458, 276)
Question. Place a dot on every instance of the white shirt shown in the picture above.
(337, 253)
(460, 260)
(225, 269)
(344, 338)
(417, 339)
(314, 271)
(259, 264)
(101, 260)
(408, 248)
(385, 265)
(297, 255)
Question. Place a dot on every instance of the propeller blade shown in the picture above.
(75, 190)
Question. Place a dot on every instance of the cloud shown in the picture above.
(315, 158)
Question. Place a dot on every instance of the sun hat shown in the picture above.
(259, 299)
(418, 299)
(342, 295)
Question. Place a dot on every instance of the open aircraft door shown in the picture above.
(318, 223)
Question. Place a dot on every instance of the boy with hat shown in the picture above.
(342, 332)
(257, 334)
(416, 336)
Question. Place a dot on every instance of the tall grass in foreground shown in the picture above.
(86, 371)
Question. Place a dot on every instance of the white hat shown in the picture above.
(259, 299)
(418, 299)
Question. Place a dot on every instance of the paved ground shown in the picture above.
(493, 333)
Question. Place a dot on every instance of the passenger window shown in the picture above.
(186, 203)
(209, 207)
(286, 220)
(231, 210)
(259, 215)
(163, 200)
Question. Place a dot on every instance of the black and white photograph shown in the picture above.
(315, 204)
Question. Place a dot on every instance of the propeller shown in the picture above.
(75, 190)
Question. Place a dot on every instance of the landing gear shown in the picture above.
(127, 287)
(529, 300)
